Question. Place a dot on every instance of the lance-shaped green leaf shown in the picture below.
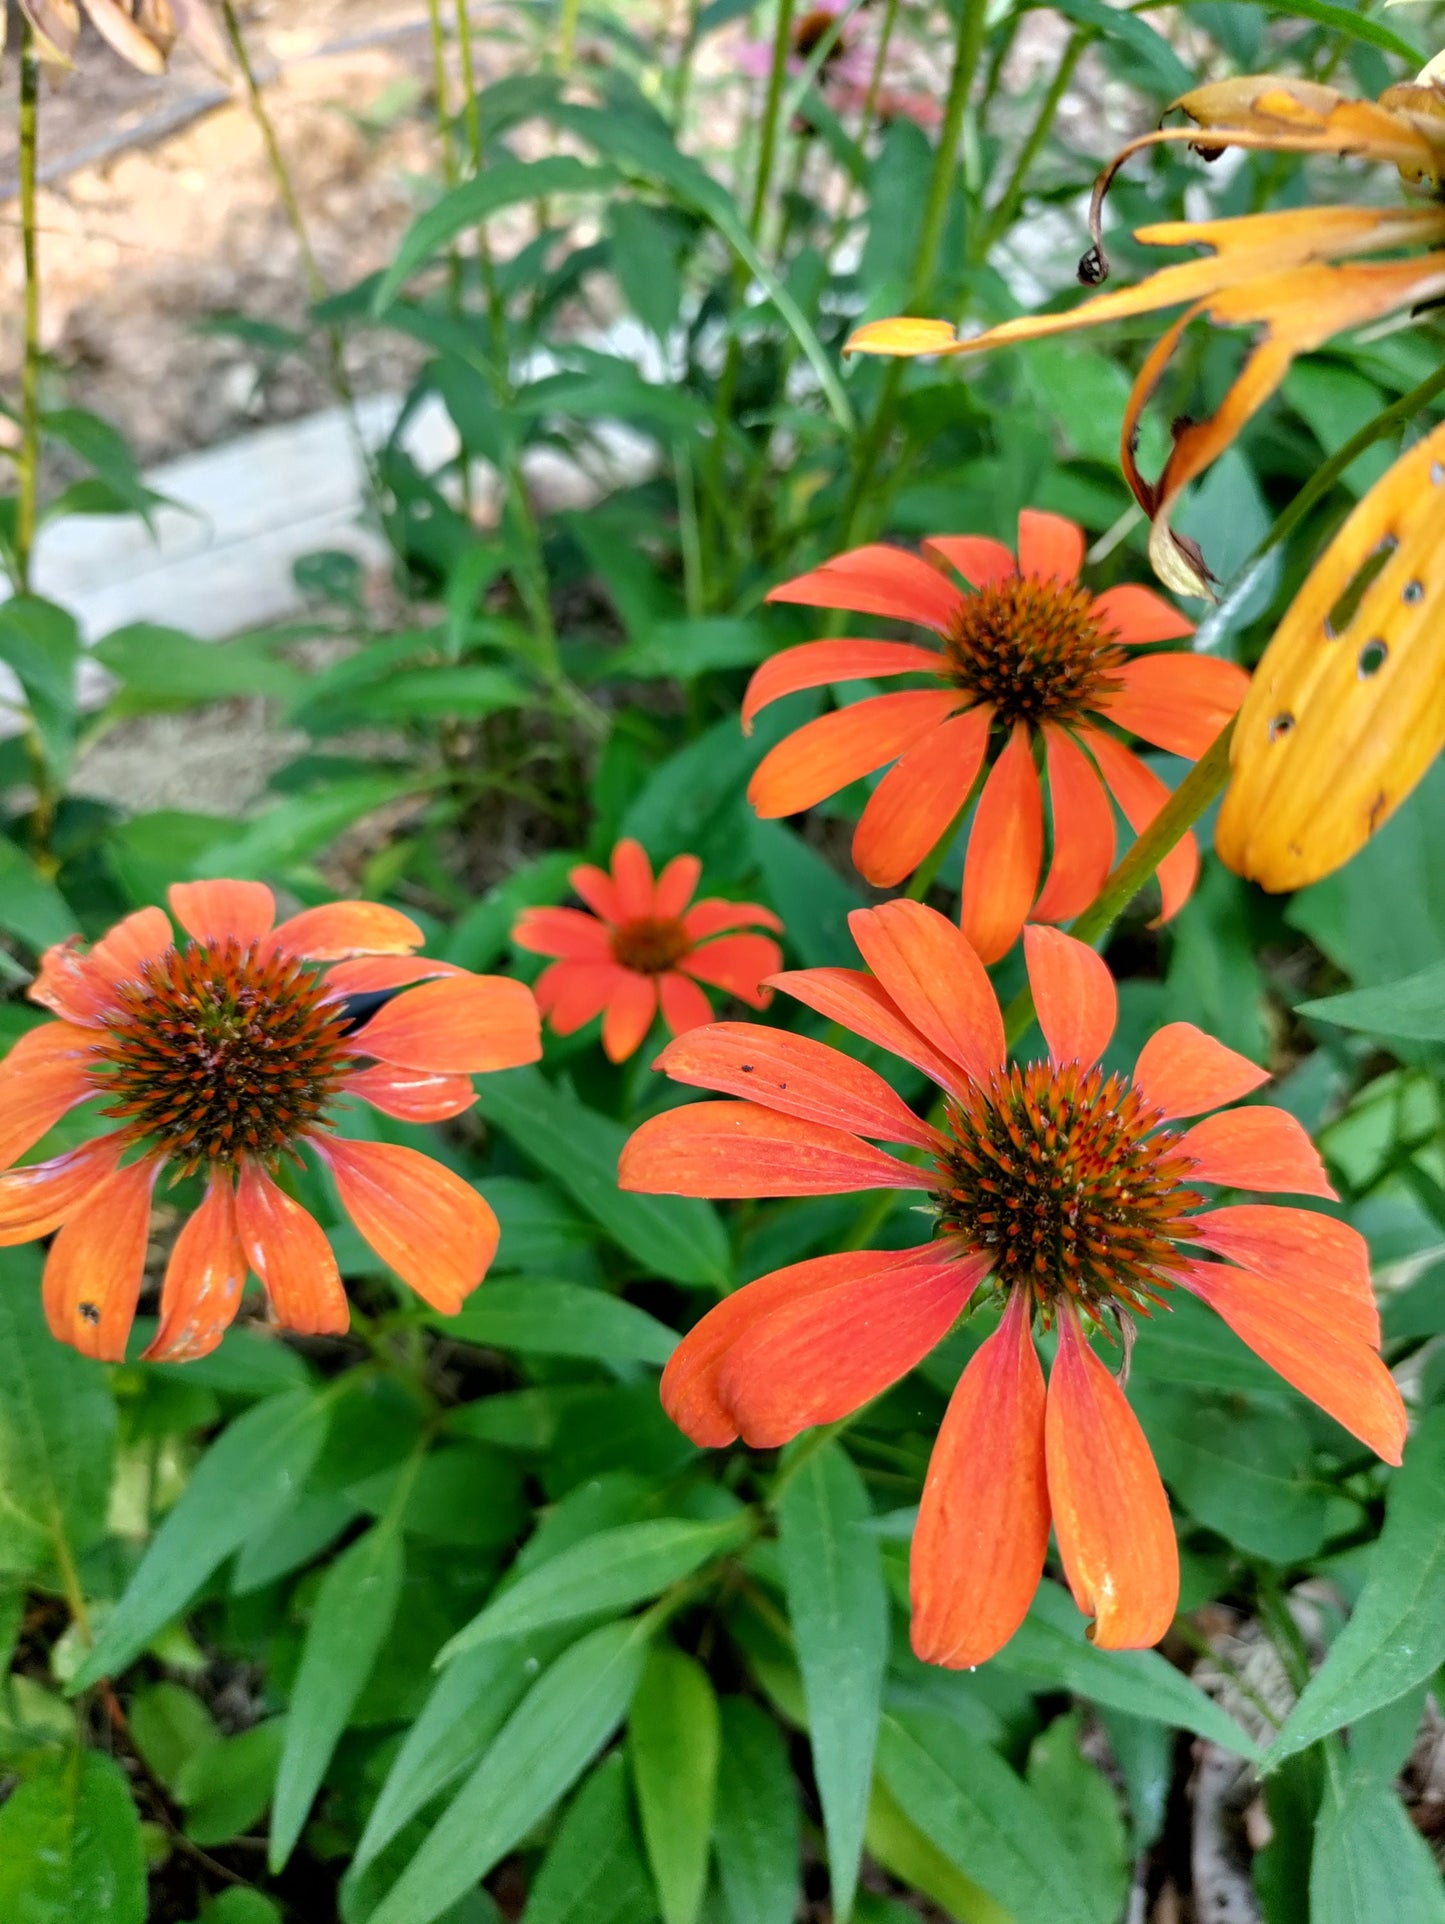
(593, 1872)
(70, 1846)
(673, 1737)
(758, 1820)
(1370, 1863)
(561, 1319)
(1413, 1007)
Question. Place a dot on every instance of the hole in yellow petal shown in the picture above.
(1413, 593)
(1372, 658)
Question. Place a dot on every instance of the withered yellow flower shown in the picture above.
(141, 31)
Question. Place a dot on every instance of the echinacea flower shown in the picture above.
(1078, 1193)
(846, 73)
(1293, 277)
(1028, 658)
(221, 1054)
(642, 947)
(142, 32)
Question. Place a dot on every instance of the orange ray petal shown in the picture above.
(935, 980)
(862, 1004)
(1313, 1258)
(1140, 794)
(44, 1076)
(632, 879)
(1181, 1071)
(572, 994)
(368, 972)
(1177, 701)
(1005, 851)
(912, 806)
(1084, 836)
(629, 1014)
(122, 953)
(878, 581)
(337, 930)
(1343, 1376)
(597, 890)
(37, 1199)
(712, 916)
(983, 1526)
(204, 1279)
(684, 1006)
(421, 1218)
(96, 1263)
(734, 1149)
(569, 933)
(817, 1359)
(737, 963)
(461, 1025)
(822, 756)
(982, 562)
(223, 911)
(1111, 1516)
(1138, 616)
(1050, 545)
(816, 664)
(1074, 995)
(796, 1076)
(69, 987)
(1259, 1148)
(412, 1095)
(286, 1247)
(677, 885)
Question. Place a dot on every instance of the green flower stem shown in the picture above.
(772, 106)
(1000, 219)
(27, 507)
(568, 40)
(682, 78)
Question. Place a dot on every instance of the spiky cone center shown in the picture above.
(1066, 1176)
(1035, 649)
(650, 945)
(811, 29)
(220, 1052)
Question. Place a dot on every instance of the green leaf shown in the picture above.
(607, 1572)
(1081, 1802)
(31, 907)
(106, 450)
(440, 693)
(644, 259)
(672, 1737)
(537, 1756)
(41, 643)
(839, 1610)
(1349, 21)
(169, 1724)
(1414, 1007)
(593, 1871)
(1370, 1863)
(500, 185)
(1149, 51)
(670, 1236)
(1396, 1635)
(1050, 1650)
(70, 1847)
(165, 667)
(355, 1609)
(57, 1431)
(819, 899)
(970, 1805)
(683, 650)
(225, 1786)
(285, 835)
(758, 1822)
(561, 1319)
(247, 1477)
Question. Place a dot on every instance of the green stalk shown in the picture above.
(570, 11)
(27, 507)
(686, 55)
(449, 178)
(998, 222)
(865, 120)
(768, 136)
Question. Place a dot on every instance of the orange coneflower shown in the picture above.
(221, 1055)
(641, 947)
(1030, 656)
(1078, 1192)
(1293, 277)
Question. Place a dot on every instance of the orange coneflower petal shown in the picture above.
(367, 972)
(122, 953)
(1181, 1071)
(815, 664)
(337, 930)
(43, 1077)
(37, 1199)
(1138, 616)
(629, 1014)
(935, 980)
(982, 562)
(1083, 819)
(1005, 851)
(1111, 1516)
(94, 1270)
(421, 1218)
(1074, 996)
(733, 1149)
(1178, 701)
(1259, 1148)
(632, 879)
(1342, 1375)
(1050, 545)
(795, 1075)
(69, 987)
(1306, 1253)
(1141, 795)
(288, 1250)
(461, 1024)
(712, 916)
(204, 1279)
(736, 963)
(597, 890)
(569, 933)
(818, 1358)
(822, 756)
(863, 1005)
(877, 581)
(916, 800)
(983, 1526)
(684, 1006)
(676, 886)
(412, 1095)
(571, 994)
(242, 912)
